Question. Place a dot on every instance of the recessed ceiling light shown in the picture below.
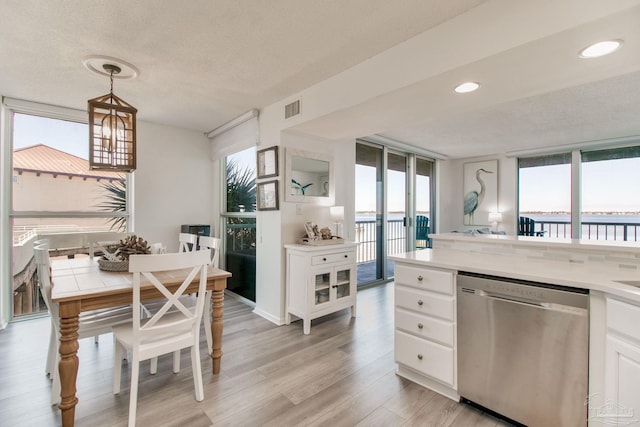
(467, 87)
(600, 49)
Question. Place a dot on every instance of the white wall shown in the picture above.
(277, 228)
(450, 193)
(173, 184)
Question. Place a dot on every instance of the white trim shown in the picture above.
(67, 214)
(392, 143)
(44, 110)
(601, 144)
(6, 237)
(233, 123)
(271, 318)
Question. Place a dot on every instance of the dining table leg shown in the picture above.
(217, 311)
(68, 365)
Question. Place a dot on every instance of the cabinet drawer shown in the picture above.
(424, 356)
(624, 318)
(425, 302)
(432, 280)
(331, 258)
(425, 327)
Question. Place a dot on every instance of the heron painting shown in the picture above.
(480, 191)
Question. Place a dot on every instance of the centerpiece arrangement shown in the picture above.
(319, 236)
(118, 260)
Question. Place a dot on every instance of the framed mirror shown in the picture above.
(308, 177)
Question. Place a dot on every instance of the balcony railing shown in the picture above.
(617, 231)
(366, 236)
(396, 239)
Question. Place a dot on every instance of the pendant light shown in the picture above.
(112, 131)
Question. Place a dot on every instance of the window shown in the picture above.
(239, 223)
(544, 193)
(610, 197)
(52, 191)
(603, 190)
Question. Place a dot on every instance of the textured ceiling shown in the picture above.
(204, 62)
(201, 62)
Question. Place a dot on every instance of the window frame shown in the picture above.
(576, 154)
(9, 108)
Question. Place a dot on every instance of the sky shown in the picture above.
(70, 137)
(366, 190)
(607, 186)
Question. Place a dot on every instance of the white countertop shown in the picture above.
(502, 239)
(578, 275)
(317, 248)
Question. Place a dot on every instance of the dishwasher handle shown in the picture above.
(539, 304)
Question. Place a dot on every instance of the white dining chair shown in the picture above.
(172, 328)
(213, 245)
(186, 239)
(91, 323)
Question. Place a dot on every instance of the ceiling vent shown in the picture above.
(292, 109)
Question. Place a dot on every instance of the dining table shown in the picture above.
(80, 285)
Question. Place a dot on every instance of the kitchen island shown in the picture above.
(607, 272)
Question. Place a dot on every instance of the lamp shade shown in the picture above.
(495, 217)
(337, 213)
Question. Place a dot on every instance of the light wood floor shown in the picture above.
(342, 374)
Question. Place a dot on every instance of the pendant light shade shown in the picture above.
(112, 131)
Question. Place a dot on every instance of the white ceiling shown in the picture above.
(204, 62)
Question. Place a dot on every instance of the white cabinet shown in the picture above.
(320, 280)
(622, 362)
(425, 327)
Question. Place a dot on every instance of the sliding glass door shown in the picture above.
(393, 204)
(369, 212)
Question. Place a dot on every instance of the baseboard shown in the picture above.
(426, 382)
(242, 299)
(271, 318)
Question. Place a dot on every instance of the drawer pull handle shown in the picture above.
(420, 302)
(420, 278)
(420, 326)
(324, 259)
(419, 357)
(346, 256)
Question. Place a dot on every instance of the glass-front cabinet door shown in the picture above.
(321, 294)
(343, 283)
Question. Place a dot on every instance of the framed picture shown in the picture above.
(268, 196)
(480, 189)
(268, 162)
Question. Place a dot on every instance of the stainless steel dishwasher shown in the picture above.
(523, 349)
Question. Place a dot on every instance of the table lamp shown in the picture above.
(495, 218)
(337, 215)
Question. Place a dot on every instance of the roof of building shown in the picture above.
(44, 159)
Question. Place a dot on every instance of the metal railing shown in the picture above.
(623, 231)
(366, 235)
